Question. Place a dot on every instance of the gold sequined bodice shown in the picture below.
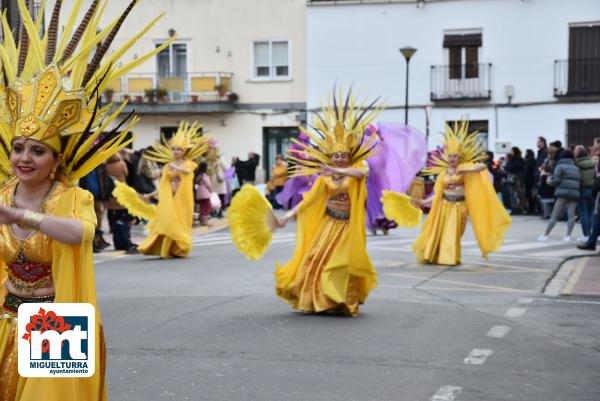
(338, 200)
(454, 184)
(28, 261)
(174, 175)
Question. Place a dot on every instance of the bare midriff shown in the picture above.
(454, 186)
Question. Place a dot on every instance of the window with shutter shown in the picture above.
(463, 54)
(280, 59)
(261, 59)
(271, 60)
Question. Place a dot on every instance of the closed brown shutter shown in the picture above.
(469, 39)
(472, 62)
(455, 62)
(584, 59)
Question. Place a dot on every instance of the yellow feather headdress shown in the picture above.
(188, 137)
(50, 87)
(458, 141)
(338, 128)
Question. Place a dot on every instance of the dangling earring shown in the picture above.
(53, 174)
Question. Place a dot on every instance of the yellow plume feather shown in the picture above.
(460, 141)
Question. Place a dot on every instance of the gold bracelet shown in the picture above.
(32, 219)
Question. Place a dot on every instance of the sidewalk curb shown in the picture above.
(566, 276)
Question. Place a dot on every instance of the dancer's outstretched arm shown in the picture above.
(328, 171)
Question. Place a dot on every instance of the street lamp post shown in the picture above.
(407, 52)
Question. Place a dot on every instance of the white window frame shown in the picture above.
(158, 42)
(272, 76)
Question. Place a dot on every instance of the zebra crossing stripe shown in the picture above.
(530, 245)
(446, 393)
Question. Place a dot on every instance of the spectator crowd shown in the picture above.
(555, 183)
(214, 185)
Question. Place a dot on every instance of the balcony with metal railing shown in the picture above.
(577, 78)
(461, 82)
(191, 92)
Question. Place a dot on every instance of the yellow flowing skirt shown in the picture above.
(307, 294)
(165, 247)
(13, 387)
(442, 245)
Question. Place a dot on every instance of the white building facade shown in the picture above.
(517, 69)
(236, 66)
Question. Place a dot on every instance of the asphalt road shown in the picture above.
(209, 327)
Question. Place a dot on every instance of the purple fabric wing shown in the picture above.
(402, 154)
(295, 187)
(293, 191)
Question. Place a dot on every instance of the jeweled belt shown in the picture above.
(337, 214)
(12, 301)
(454, 198)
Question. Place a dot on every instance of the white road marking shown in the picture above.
(446, 393)
(525, 300)
(498, 331)
(478, 356)
(214, 236)
(389, 241)
(471, 252)
(570, 251)
(502, 255)
(515, 312)
(227, 240)
(112, 257)
(530, 245)
(566, 301)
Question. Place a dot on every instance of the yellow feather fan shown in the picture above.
(131, 200)
(398, 207)
(252, 222)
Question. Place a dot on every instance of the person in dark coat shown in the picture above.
(542, 153)
(545, 192)
(530, 179)
(494, 171)
(555, 153)
(592, 240)
(566, 178)
(95, 182)
(515, 174)
(540, 161)
(585, 206)
(246, 169)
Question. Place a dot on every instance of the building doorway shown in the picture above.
(276, 140)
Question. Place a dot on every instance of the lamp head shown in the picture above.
(408, 52)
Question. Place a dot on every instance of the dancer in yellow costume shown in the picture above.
(463, 188)
(171, 228)
(330, 269)
(53, 131)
